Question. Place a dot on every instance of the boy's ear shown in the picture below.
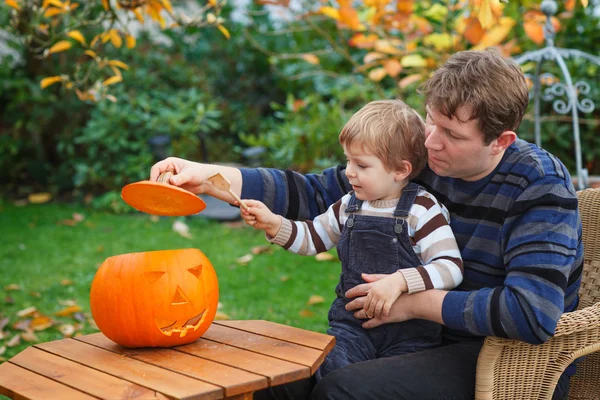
(403, 172)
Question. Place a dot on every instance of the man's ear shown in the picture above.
(404, 171)
(505, 139)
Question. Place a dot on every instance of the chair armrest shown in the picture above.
(511, 369)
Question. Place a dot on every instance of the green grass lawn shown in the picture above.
(47, 264)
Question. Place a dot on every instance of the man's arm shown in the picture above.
(293, 195)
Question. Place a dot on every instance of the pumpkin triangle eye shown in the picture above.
(196, 271)
(153, 276)
(179, 298)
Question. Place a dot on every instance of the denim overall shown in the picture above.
(374, 245)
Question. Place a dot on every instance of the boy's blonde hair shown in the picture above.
(390, 130)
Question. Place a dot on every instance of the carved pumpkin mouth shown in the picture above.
(191, 325)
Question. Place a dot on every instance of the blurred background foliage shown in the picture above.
(287, 79)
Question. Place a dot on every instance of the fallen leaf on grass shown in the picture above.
(79, 316)
(22, 325)
(245, 259)
(3, 322)
(35, 294)
(261, 249)
(284, 278)
(315, 299)
(12, 287)
(29, 336)
(67, 222)
(2, 350)
(26, 312)
(41, 323)
(65, 312)
(14, 341)
(2, 336)
(67, 303)
(221, 316)
(66, 330)
(306, 313)
(324, 257)
(78, 217)
(39, 198)
(154, 218)
(182, 229)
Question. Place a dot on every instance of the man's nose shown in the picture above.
(432, 141)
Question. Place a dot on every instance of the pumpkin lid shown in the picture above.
(161, 198)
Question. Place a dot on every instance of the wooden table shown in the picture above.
(231, 360)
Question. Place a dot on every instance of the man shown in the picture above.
(514, 214)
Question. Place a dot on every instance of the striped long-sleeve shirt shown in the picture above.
(431, 238)
(518, 231)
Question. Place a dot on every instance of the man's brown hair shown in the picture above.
(390, 130)
(491, 87)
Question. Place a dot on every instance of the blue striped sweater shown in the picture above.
(518, 230)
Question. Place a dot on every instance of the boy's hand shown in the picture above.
(383, 294)
(259, 216)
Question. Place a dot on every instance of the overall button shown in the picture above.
(350, 222)
(394, 240)
(398, 228)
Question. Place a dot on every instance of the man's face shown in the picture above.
(456, 149)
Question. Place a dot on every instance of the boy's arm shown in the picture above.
(436, 247)
(293, 195)
(312, 237)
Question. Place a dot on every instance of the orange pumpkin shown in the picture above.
(158, 298)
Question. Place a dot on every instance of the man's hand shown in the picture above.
(259, 216)
(424, 305)
(192, 176)
(383, 293)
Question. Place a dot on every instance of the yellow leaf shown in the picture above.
(385, 46)
(315, 299)
(330, 12)
(311, 59)
(26, 312)
(44, 83)
(119, 64)
(306, 313)
(410, 79)
(485, 14)
(13, 4)
(139, 16)
(373, 56)
(115, 38)
(413, 60)
(584, 3)
(39, 198)
(363, 42)
(116, 70)
(65, 312)
(112, 80)
(55, 3)
(58, 47)
(473, 31)
(349, 17)
(105, 4)
(440, 41)
(95, 39)
(51, 12)
(324, 257)
(90, 53)
(497, 34)
(245, 259)
(224, 31)
(11, 287)
(212, 2)
(77, 36)
(437, 12)
(129, 41)
(377, 74)
(221, 316)
(167, 5)
(392, 67)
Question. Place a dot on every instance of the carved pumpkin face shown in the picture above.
(158, 298)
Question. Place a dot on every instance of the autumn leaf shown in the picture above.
(376, 75)
(65, 312)
(485, 14)
(413, 60)
(14, 341)
(315, 299)
(129, 41)
(331, 12)
(39, 198)
(311, 59)
(324, 257)
(409, 80)
(13, 4)
(77, 36)
(473, 31)
(22, 325)
(497, 34)
(392, 67)
(29, 336)
(181, 228)
(245, 259)
(261, 249)
(51, 80)
(439, 41)
(284, 278)
(306, 313)
(67, 330)
(58, 47)
(41, 323)
(66, 282)
(362, 41)
(26, 312)
(12, 287)
(221, 316)
(224, 31)
(119, 64)
(386, 46)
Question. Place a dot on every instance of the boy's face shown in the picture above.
(456, 149)
(368, 176)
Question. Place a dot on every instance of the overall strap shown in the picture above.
(409, 194)
(353, 206)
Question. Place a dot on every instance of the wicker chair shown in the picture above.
(510, 369)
